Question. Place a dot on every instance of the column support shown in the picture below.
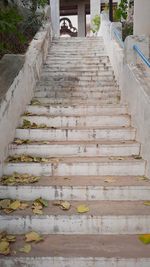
(81, 20)
(55, 17)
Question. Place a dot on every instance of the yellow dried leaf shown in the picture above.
(35, 102)
(137, 157)
(33, 236)
(37, 210)
(45, 160)
(23, 206)
(2, 235)
(11, 238)
(8, 211)
(42, 201)
(145, 238)
(65, 205)
(143, 178)
(109, 180)
(4, 248)
(4, 204)
(26, 248)
(14, 205)
(82, 209)
(147, 203)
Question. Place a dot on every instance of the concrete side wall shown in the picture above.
(134, 82)
(19, 75)
(142, 17)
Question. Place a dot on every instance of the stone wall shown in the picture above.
(19, 75)
(133, 78)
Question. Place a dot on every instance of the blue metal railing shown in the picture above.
(141, 55)
(135, 48)
(118, 38)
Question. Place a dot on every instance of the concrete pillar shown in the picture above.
(81, 20)
(94, 8)
(142, 17)
(55, 17)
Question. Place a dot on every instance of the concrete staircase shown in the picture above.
(89, 155)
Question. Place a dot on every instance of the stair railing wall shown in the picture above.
(133, 77)
(19, 92)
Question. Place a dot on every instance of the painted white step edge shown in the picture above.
(75, 224)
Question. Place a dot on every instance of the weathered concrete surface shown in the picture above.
(19, 75)
(133, 78)
(10, 66)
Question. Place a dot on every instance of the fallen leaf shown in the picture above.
(26, 248)
(22, 141)
(14, 205)
(64, 205)
(2, 235)
(109, 180)
(33, 236)
(37, 211)
(147, 203)
(35, 102)
(143, 178)
(23, 206)
(8, 211)
(137, 157)
(27, 113)
(11, 238)
(28, 124)
(145, 238)
(67, 178)
(82, 209)
(4, 203)
(17, 178)
(42, 201)
(4, 248)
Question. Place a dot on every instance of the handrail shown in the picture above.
(118, 38)
(141, 55)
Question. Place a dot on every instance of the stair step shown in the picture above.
(82, 251)
(77, 110)
(74, 148)
(79, 101)
(77, 133)
(77, 95)
(60, 77)
(81, 188)
(104, 217)
(73, 121)
(74, 69)
(79, 166)
(104, 90)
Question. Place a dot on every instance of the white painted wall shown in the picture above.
(142, 17)
(134, 82)
(20, 92)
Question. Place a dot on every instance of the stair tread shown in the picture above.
(88, 159)
(87, 181)
(96, 208)
(95, 246)
(79, 142)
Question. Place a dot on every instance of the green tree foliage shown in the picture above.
(121, 11)
(18, 25)
(96, 24)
